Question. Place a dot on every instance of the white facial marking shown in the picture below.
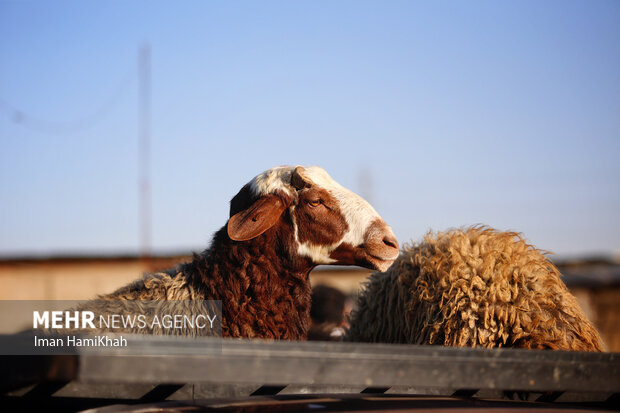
(357, 212)
(319, 254)
(278, 178)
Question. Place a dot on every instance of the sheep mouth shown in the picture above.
(380, 264)
(363, 256)
(381, 255)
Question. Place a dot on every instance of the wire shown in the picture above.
(36, 124)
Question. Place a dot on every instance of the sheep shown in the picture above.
(282, 224)
(328, 313)
(473, 287)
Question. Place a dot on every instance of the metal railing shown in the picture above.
(161, 367)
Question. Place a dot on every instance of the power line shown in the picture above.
(34, 123)
(144, 111)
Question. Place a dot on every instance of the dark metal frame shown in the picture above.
(161, 368)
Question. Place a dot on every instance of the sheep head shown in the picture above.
(325, 222)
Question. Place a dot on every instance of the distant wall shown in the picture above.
(84, 278)
(72, 279)
(79, 279)
(602, 306)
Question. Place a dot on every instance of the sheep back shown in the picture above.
(474, 287)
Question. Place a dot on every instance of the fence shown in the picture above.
(165, 368)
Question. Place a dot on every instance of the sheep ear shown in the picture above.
(256, 219)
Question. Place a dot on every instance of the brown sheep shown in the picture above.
(282, 224)
(475, 287)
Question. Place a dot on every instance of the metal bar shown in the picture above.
(173, 361)
(267, 390)
(160, 392)
(370, 365)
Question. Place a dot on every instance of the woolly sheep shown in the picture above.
(282, 224)
(475, 287)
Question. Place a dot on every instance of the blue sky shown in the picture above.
(502, 113)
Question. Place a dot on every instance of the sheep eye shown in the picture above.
(314, 203)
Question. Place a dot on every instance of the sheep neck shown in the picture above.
(264, 287)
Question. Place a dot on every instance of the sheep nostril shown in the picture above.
(390, 241)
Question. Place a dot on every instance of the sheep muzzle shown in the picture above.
(378, 251)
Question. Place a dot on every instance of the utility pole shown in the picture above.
(144, 184)
(365, 183)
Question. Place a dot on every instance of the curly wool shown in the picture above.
(475, 287)
(259, 296)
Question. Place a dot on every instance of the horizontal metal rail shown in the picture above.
(160, 359)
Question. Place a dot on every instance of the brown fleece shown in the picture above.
(263, 294)
(474, 287)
